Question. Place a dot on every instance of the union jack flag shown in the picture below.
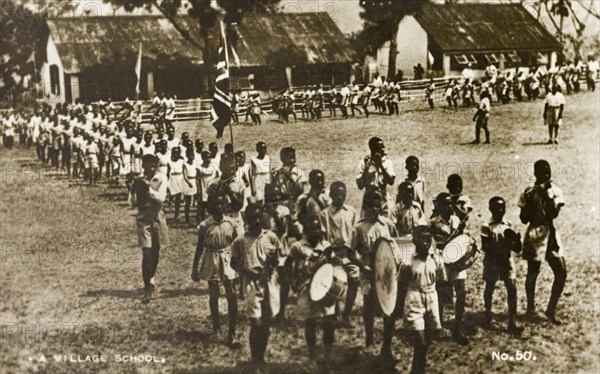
(221, 108)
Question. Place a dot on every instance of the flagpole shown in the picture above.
(138, 72)
(229, 72)
(35, 80)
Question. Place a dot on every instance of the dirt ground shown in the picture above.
(70, 267)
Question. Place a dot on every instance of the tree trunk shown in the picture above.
(393, 52)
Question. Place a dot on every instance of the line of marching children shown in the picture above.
(268, 230)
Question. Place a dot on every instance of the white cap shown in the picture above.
(221, 65)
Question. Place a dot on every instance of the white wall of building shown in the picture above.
(412, 46)
(53, 58)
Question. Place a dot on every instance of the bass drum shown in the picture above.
(328, 285)
(460, 253)
(386, 265)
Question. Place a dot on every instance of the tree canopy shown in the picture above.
(21, 34)
(208, 13)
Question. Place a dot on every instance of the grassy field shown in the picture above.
(70, 267)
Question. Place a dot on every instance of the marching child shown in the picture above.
(256, 256)
(338, 221)
(430, 93)
(206, 174)
(498, 262)
(212, 262)
(461, 203)
(305, 258)
(419, 279)
(445, 226)
(407, 213)
(189, 185)
(175, 172)
(417, 181)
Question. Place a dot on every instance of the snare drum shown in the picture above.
(328, 284)
(386, 264)
(460, 253)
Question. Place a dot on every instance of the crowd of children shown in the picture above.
(263, 233)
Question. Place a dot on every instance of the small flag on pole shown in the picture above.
(221, 108)
(138, 70)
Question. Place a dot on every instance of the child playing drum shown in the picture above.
(445, 226)
(461, 203)
(338, 222)
(407, 213)
(373, 226)
(498, 262)
(306, 256)
(418, 280)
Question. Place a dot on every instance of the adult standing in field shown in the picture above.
(148, 195)
(553, 112)
(540, 205)
(375, 171)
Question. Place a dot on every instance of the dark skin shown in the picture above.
(406, 196)
(419, 340)
(338, 197)
(213, 149)
(254, 228)
(199, 146)
(148, 139)
(217, 215)
(561, 108)
(216, 211)
(412, 167)
(274, 199)
(455, 187)
(446, 210)
(498, 209)
(261, 150)
(376, 158)
(543, 178)
(288, 159)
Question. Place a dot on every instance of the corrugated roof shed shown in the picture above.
(484, 27)
(316, 33)
(86, 42)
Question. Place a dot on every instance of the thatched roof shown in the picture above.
(260, 37)
(88, 42)
(484, 27)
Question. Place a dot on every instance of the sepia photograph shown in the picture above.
(299, 186)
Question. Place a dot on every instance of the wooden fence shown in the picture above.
(199, 109)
